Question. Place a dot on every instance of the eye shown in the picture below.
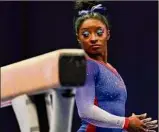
(100, 32)
(85, 34)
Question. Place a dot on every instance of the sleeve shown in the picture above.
(89, 112)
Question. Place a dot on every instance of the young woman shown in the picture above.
(101, 101)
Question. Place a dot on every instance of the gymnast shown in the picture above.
(101, 101)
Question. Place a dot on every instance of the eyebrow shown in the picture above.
(89, 28)
(84, 28)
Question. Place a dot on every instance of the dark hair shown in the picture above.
(87, 5)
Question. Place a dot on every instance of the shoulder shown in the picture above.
(92, 66)
(92, 62)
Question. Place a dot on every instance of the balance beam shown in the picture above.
(64, 67)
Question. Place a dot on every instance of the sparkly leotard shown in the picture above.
(101, 101)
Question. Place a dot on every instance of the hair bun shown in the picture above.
(85, 4)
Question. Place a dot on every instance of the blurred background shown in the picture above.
(28, 29)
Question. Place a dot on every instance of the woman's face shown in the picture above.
(93, 36)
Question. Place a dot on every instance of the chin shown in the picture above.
(95, 53)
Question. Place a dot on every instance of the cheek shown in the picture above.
(84, 43)
(104, 38)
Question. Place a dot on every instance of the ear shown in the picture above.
(108, 34)
(77, 36)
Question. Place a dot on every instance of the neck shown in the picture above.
(99, 57)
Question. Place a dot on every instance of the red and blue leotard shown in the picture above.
(101, 101)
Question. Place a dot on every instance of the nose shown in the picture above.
(93, 39)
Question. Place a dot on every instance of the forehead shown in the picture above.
(92, 23)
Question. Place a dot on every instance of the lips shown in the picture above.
(96, 46)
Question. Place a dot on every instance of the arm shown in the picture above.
(85, 103)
